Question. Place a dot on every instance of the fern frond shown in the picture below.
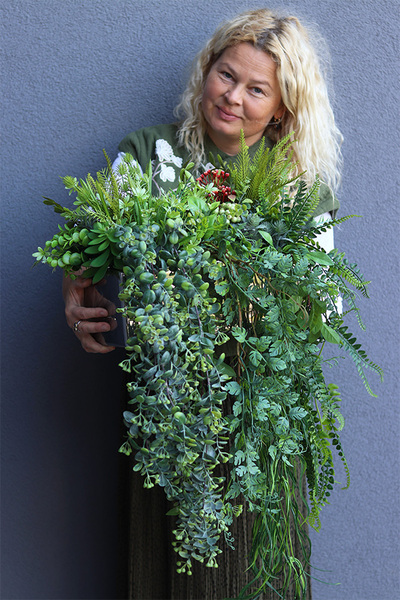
(349, 297)
(345, 466)
(110, 176)
(304, 204)
(329, 405)
(349, 272)
(316, 228)
(271, 168)
(93, 214)
(260, 151)
(242, 165)
(334, 222)
(91, 182)
(359, 356)
(71, 183)
(107, 200)
(313, 518)
(86, 192)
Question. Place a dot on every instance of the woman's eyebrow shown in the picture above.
(229, 68)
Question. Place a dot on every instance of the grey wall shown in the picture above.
(77, 76)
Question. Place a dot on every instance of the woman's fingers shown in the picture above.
(82, 313)
(90, 344)
(86, 311)
(90, 336)
(85, 326)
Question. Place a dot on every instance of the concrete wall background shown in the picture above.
(76, 77)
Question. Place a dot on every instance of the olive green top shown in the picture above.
(159, 144)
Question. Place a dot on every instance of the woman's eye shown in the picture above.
(257, 90)
(227, 75)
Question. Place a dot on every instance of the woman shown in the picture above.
(258, 73)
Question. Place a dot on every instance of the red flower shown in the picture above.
(217, 177)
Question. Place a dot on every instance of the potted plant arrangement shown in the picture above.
(230, 302)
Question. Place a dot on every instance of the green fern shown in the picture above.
(271, 168)
(261, 178)
(350, 299)
(349, 272)
(317, 228)
(241, 170)
(359, 356)
(304, 204)
(108, 178)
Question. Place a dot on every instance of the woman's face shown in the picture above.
(241, 92)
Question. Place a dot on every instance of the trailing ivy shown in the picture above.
(229, 301)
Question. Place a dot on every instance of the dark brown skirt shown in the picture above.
(152, 560)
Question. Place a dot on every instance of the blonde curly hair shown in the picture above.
(303, 87)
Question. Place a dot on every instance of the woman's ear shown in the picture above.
(280, 112)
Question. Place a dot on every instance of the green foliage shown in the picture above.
(229, 306)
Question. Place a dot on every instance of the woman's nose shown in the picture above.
(234, 95)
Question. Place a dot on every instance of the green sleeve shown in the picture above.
(157, 144)
(142, 143)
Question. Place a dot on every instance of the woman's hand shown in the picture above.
(83, 301)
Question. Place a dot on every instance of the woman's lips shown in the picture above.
(226, 115)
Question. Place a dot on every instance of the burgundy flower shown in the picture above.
(217, 177)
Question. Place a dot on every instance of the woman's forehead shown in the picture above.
(245, 57)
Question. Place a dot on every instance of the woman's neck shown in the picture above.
(227, 146)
